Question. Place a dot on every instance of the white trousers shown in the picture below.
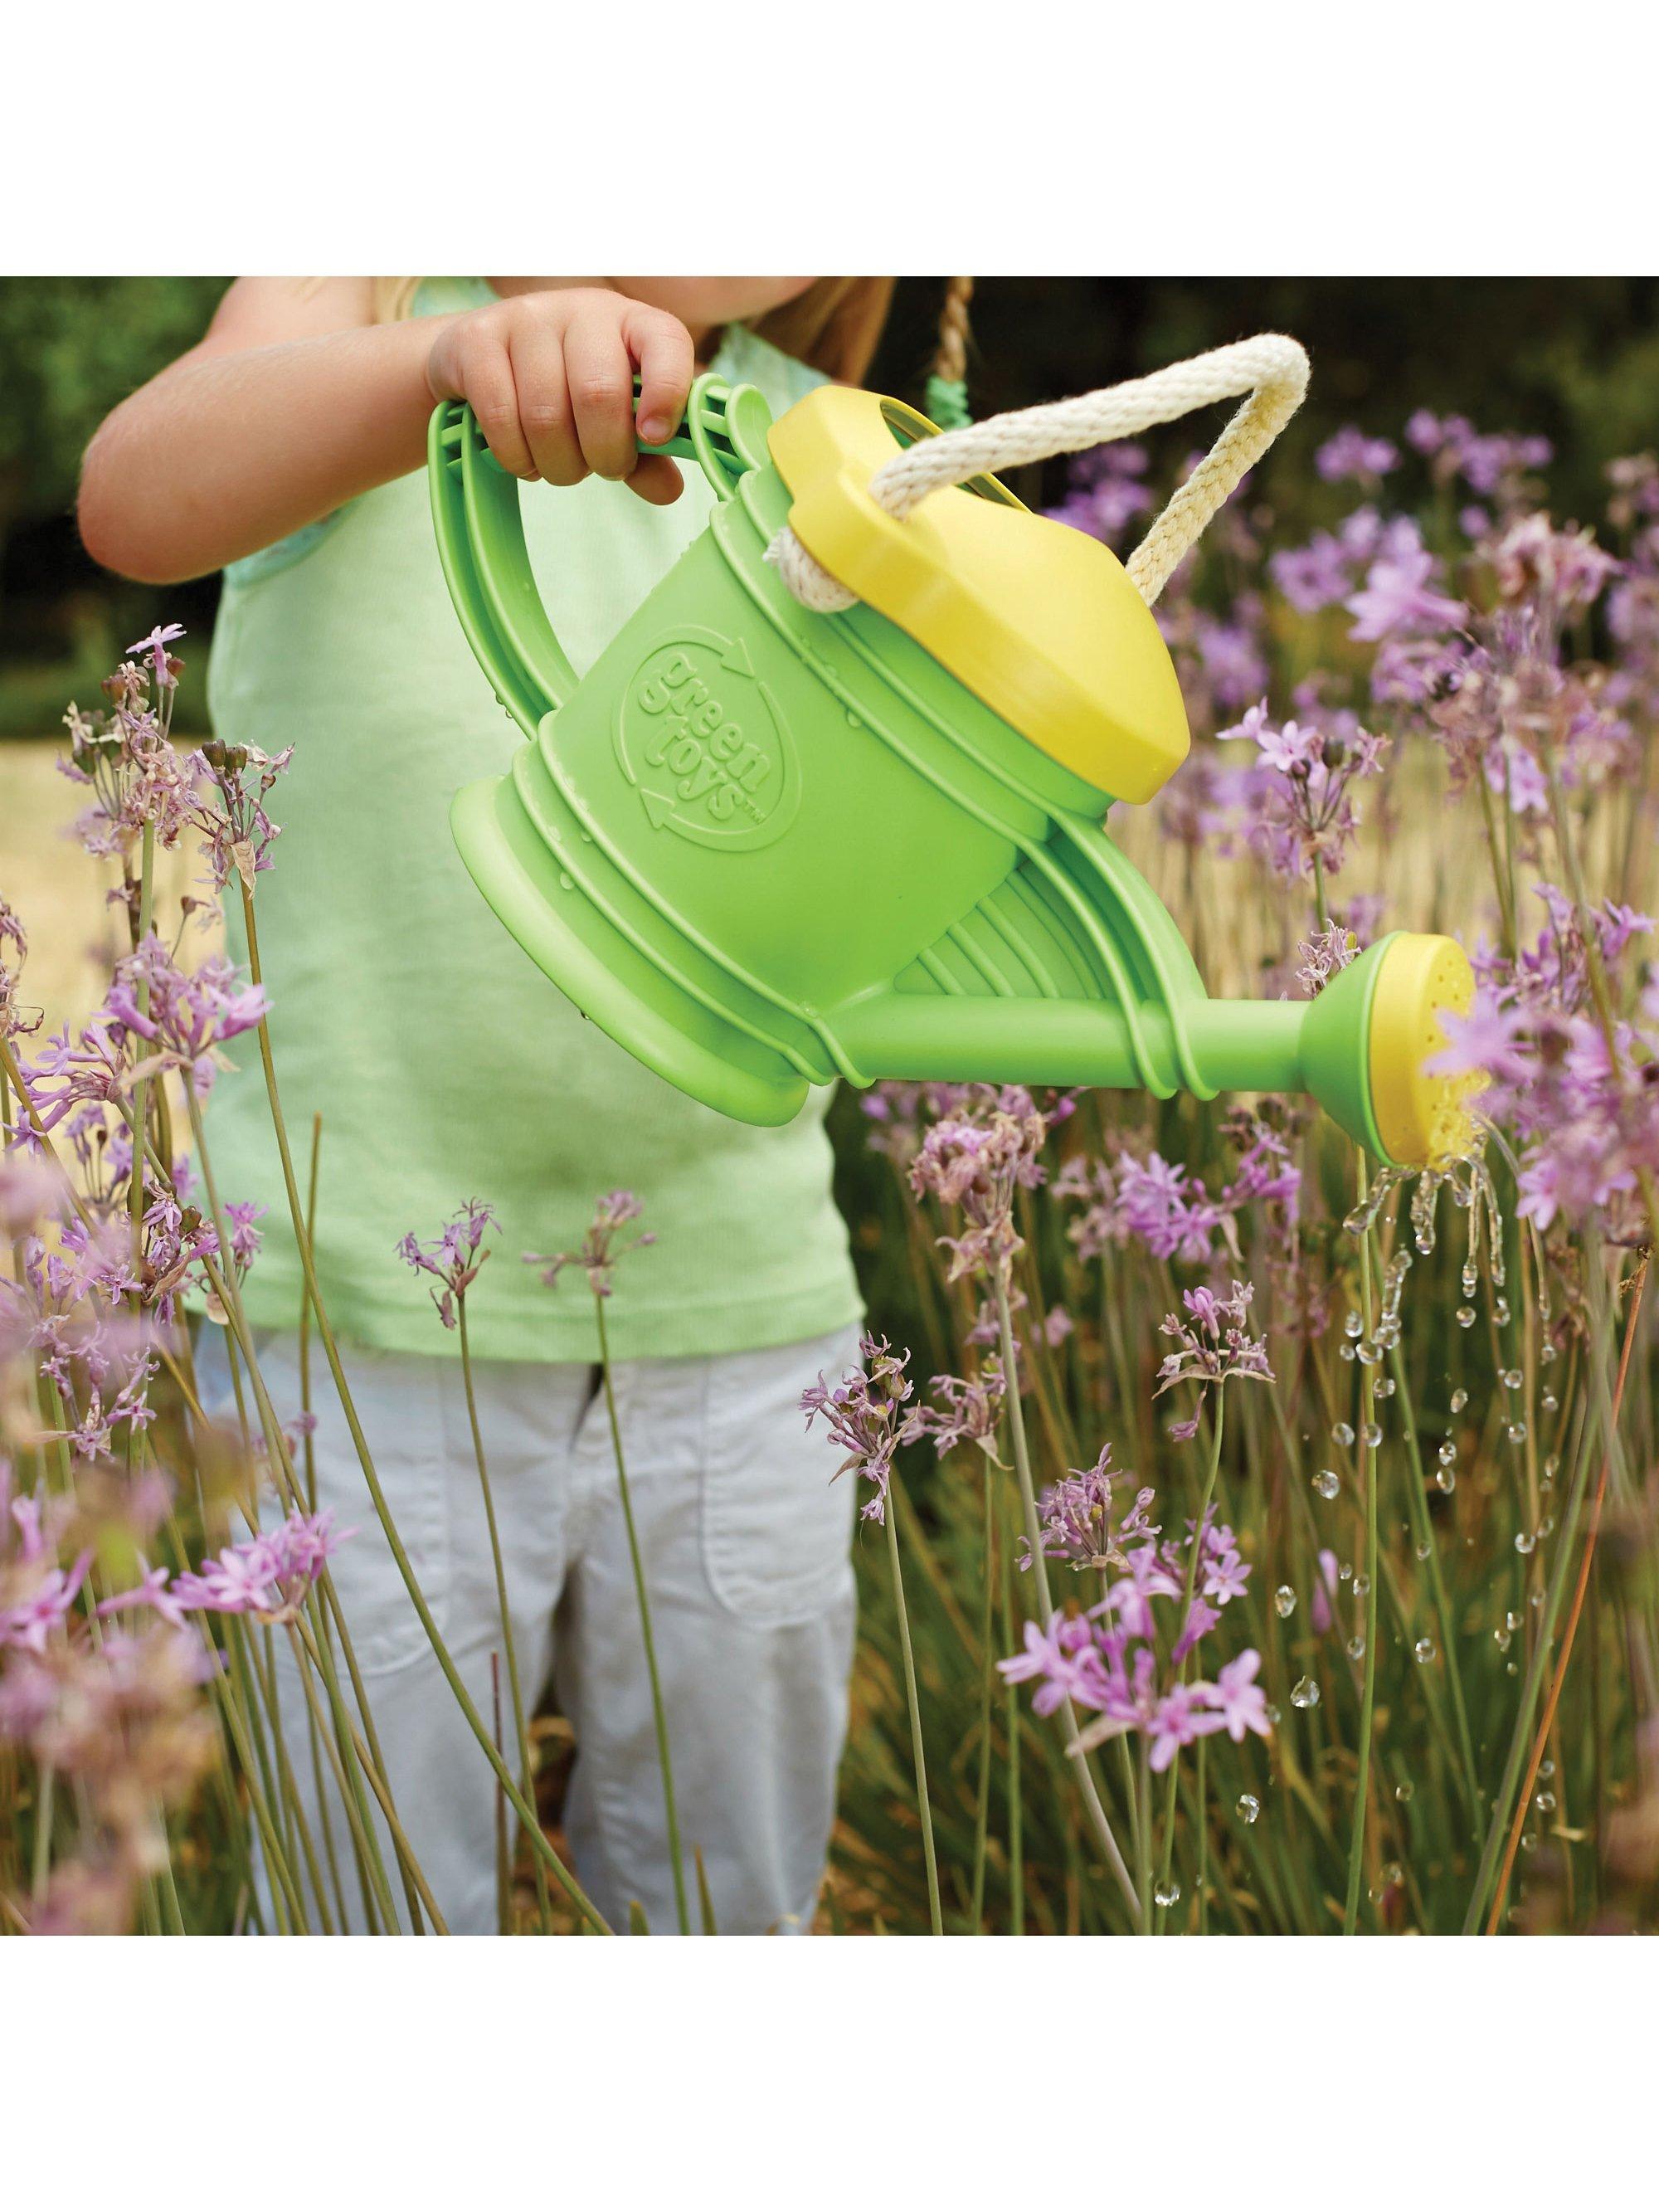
(745, 1541)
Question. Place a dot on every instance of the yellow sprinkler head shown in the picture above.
(1422, 1119)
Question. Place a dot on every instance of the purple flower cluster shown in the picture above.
(977, 1161)
(156, 1017)
(1211, 1345)
(1170, 1209)
(454, 1257)
(1302, 796)
(599, 1251)
(266, 1577)
(865, 1415)
(1077, 1518)
(1583, 1102)
(1117, 1660)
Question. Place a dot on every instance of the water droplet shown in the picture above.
(1459, 1400)
(1167, 1893)
(1424, 1550)
(1516, 1432)
(1392, 1875)
(1512, 1620)
(565, 884)
(1326, 1483)
(1356, 1647)
(1545, 1769)
(1305, 1693)
(1470, 1278)
(1446, 1480)
(1344, 1351)
(1372, 1433)
(1403, 1790)
(1422, 1650)
(1500, 1637)
(1500, 1312)
(1274, 1716)
(1544, 1801)
(1513, 1378)
(1466, 1316)
(1284, 1601)
(1447, 1453)
(1524, 1541)
(1353, 1326)
(1343, 1434)
(1550, 1402)
(1250, 1808)
(1344, 1572)
(1384, 1386)
(1547, 1352)
(1362, 1585)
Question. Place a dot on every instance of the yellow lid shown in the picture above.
(1422, 1119)
(1038, 620)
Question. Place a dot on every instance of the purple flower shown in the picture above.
(1075, 1516)
(1398, 599)
(864, 1413)
(1181, 1716)
(599, 1251)
(266, 1577)
(1062, 1660)
(969, 1412)
(1211, 1346)
(1351, 454)
(977, 1161)
(1240, 1703)
(454, 1256)
(165, 668)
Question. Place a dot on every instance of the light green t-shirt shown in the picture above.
(444, 1064)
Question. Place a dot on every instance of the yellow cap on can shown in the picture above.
(1035, 618)
(1421, 1118)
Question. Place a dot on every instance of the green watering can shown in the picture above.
(763, 847)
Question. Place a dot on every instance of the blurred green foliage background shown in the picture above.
(1575, 358)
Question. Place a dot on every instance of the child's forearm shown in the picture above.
(226, 452)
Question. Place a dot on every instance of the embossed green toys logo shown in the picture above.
(700, 738)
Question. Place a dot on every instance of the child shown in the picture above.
(288, 448)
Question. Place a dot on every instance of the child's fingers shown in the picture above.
(546, 419)
(484, 378)
(656, 479)
(600, 377)
(661, 344)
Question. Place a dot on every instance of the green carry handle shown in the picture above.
(764, 847)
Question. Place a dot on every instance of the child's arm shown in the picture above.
(296, 401)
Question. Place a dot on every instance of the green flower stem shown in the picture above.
(526, 1812)
(914, 1701)
(1367, 1686)
(222, 1279)
(376, 1782)
(982, 1800)
(1102, 1826)
(141, 1099)
(1192, 1557)
(658, 1712)
(1423, 1534)
(1016, 1808)
(520, 1723)
(1604, 1425)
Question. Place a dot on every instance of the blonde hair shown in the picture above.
(834, 325)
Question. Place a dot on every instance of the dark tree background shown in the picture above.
(1576, 358)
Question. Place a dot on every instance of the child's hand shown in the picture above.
(550, 376)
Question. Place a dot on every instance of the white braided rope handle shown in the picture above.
(1271, 370)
